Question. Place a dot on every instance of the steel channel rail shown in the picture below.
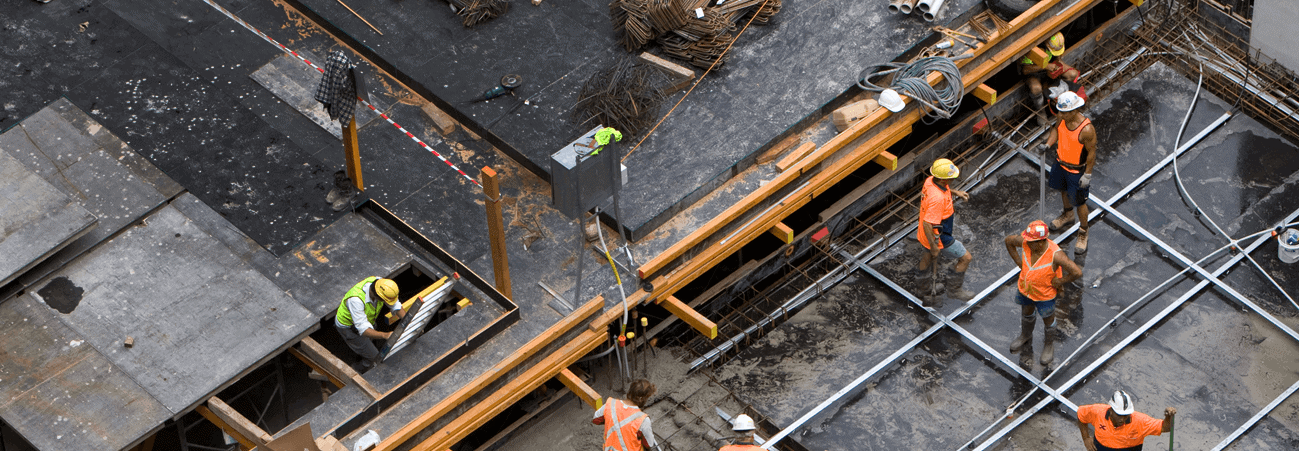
(1255, 419)
(1134, 336)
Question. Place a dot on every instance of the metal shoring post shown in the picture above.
(1086, 372)
(968, 336)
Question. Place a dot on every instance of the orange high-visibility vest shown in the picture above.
(621, 426)
(1035, 277)
(1069, 148)
(935, 208)
(741, 448)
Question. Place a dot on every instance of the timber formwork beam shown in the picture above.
(880, 129)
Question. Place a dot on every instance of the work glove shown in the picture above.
(1085, 181)
(1042, 148)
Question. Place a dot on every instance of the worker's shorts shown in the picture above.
(954, 250)
(1061, 180)
(1044, 308)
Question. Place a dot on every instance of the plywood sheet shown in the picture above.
(36, 219)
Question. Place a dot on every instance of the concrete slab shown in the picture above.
(294, 82)
(37, 218)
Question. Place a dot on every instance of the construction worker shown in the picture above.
(602, 138)
(743, 427)
(1043, 271)
(936, 222)
(1118, 426)
(1074, 139)
(358, 313)
(626, 428)
(1036, 76)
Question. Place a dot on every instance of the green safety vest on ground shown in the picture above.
(344, 315)
(602, 138)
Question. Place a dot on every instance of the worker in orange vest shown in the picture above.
(626, 428)
(1043, 271)
(1119, 427)
(744, 439)
(937, 216)
(1075, 154)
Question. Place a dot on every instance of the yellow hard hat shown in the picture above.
(944, 169)
(387, 290)
(1055, 44)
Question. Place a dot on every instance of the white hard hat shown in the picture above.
(1122, 403)
(742, 423)
(891, 100)
(1068, 101)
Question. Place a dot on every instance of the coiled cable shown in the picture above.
(911, 79)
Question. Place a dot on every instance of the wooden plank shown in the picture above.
(782, 231)
(245, 443)
(479, 414)
(317, 367)
(793, 157)
(1039, 57)
(342, 371)
(443, 123)
(487, 377)
(237, 422)
(329, 443)
(579, 388)
(690, 316)
(856, 158)
(985, 93)
(352, 154)
(673, 69)
(774, 152)
(496, 231)
(888, 160)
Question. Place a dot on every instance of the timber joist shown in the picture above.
(718, 238)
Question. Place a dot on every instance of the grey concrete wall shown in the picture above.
(1273, 31)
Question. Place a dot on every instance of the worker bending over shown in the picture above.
(937, 216)
(626, 428)
(1074, 139)
(1043, 271)
(744, 429)
(359, 311)
(1118, 426)
(1036, 76)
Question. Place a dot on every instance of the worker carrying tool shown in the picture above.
(937, 218)
(1074, 139)
(1036, 76)
(1043, 271)
(626, 428)
(744, 429)
(1118, 426)
(602, 138)
(359, 312)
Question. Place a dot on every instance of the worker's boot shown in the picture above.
(955, 282)
(1048, 343)
(1063, 220)
(1039, 108)
(1080, 246)
(1026, 324)
(340, 198)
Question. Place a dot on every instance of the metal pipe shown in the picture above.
(895, 6)
(907, 6)
(929, 9)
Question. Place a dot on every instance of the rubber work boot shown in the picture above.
(955, 282)
(1040, 111)
(1080, 246)
(343, 192)
(1026, 325)
(1063, 220)
(1048, 344)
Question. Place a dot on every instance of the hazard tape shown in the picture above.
(385, 117)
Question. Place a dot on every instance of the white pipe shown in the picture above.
(895, 6)
(906, 6)
(930, 9)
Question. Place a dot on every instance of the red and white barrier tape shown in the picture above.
(363, 102)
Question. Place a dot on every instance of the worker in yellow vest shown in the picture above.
(626, 428)
(602, 138)
(358, 313)
(743, 426)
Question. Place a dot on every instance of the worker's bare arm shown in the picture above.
(1071, 270)
(1169, 413)
(1013, 242)
(375, 335)
(1086, 432)
(1088, 139)
(930, 238)
(964, 195)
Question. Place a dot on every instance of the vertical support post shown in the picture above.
(352, 154)
(496, 231)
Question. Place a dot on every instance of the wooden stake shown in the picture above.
(352, 153)
(358, 16)
(496, 232)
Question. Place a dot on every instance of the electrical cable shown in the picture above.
(911, 79)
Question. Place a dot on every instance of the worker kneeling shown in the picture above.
(626, 428)
(359, 312)
(1043, 271)
(937, 216)
(744, 439)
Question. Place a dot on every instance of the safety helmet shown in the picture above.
(1055, 44)
(891, 100)
(1068, 101)
(1122, 403)
(1036, 231)
(944, 169)
(742, 423)
(387, 290)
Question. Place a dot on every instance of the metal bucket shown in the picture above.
(1288, 245)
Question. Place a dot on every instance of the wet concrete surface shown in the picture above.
(1217, 362)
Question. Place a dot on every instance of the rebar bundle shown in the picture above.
(680, 31)
(626, 96)
(475, 12)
